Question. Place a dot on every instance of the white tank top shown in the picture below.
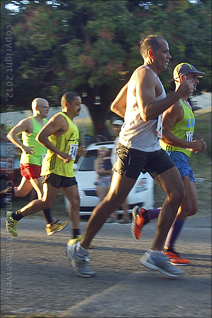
(136, 133)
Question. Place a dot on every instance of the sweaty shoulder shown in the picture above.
(143, 72)
(175, 111)
(58, 117)
(177, 107)
(57, 125)
(178, 110)
(26, 125)
(58, 121)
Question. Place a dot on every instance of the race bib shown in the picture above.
(159, 128)
(189, 135)
(73, 151)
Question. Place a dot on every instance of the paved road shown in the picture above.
(37, 277)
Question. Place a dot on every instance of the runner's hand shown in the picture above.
(186, 87)
(28, 150)
(65, 157)
(199, 145)
(82, 151)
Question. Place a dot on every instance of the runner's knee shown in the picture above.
(193, 210)
(177, 196)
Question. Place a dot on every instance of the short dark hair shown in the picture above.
(151, 42)
(68, 97)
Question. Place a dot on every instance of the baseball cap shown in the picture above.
(185, 68)
(117, 122)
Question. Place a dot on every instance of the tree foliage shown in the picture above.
(92, 47)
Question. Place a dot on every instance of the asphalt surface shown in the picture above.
(37, 278)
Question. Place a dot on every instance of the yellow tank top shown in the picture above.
(67, 143)
(29, 140)
(184, 130)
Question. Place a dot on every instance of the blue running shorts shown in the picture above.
(182, 163)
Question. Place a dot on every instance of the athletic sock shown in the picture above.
(75, 233)
(17, 215)
(173, 233)
(153, 213)
(81, 250)
(47, 216)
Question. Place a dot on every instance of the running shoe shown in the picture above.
(79, 262)
(175, 258)
(77, 239)
(55, 226)
(158, 261)
(139, 219)
(11, 224)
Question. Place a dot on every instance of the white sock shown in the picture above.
(81, 250)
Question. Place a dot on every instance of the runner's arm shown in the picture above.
(118, 106)
(24, 125)
(55, 126)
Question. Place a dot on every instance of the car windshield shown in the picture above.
(87, 164)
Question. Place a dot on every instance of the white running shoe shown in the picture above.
(158, 261)
(79, 262)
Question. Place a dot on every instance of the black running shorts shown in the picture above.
(131, 162)
(59, 181)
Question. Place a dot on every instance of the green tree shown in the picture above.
(78, 45)
(92, 47)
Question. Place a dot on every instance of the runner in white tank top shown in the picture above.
(136, 133)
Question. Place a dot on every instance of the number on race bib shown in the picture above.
(73, 151)
(189, 135)
(159, 128)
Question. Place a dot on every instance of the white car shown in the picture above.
(142, 193)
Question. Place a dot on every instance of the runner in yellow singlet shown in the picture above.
(61, 137)
(68, 143)
(179, 123)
